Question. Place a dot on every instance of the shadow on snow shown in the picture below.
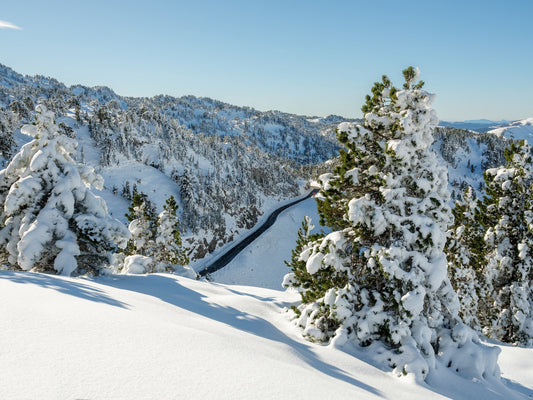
(65, 286)
(170, 291)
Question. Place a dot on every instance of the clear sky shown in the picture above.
(306, 57)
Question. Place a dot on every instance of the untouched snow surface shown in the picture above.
(166, 337)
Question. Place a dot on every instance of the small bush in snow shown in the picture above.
(382, 273)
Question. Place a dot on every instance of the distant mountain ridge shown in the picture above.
(478, 125)
(518, 130)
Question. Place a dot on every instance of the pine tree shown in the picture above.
(311, 286)
(387, 207)
(51, 221)
(142, 226)
(6, 138)
(465, 249)
(169, 251)
(155, 244)
(508, 219)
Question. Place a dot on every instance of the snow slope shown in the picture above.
(522, 129)
(168, 337)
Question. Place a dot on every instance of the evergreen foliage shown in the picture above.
(465, 250)
(50, 219)
(312, 286)
(169, 250)
(387, 206)
(507, 215)
(155, 244)
(142, 219)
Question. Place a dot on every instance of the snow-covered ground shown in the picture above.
(521, 129)
(166, 337)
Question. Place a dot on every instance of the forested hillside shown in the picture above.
(225, 165)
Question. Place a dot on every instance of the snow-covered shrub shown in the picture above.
(507, 214)
(50, 219)
(386, 283)
(138, 264)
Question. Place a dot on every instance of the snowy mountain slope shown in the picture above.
(518, 130)
(166, 337)
(479, 125)
(287, 135)
(467, 155)
(224, 164)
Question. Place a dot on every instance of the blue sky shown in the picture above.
(306, 57)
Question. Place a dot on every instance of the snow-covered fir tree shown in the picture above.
(508, 217)
(142, 219)
(50, 219)
(384, 270)
(312, 285)
(155, 244)
(169, 252)
(465, 254)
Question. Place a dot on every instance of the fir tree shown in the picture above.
(465, 249)
(169, 250)
(508, 219)
(387, 207)
(155, 244)
(311, 286)
(142, 226)
(51, 221)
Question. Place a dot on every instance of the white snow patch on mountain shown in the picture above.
(522, 129)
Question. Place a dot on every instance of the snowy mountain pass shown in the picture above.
(269, 220)
(262, 262)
